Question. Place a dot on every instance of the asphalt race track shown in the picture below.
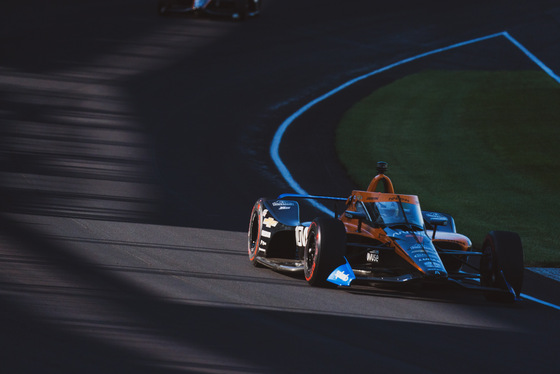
(132, 147)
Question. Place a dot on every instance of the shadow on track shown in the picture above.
(100, 322)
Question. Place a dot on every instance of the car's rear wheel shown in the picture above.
(501, 265)
(324, 251)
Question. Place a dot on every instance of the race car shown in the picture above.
(380, 237)
(237, 9)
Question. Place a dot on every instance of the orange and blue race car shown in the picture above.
(236, 9)
(380, 237)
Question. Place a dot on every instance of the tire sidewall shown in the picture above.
(326, 242)
(254, 234)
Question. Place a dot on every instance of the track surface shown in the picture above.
(132, 148)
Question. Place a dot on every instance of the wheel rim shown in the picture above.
(310, 255)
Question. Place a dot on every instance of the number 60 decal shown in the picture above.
(301, 235)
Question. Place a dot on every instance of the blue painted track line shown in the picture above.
(277, 139)
(527, 297)
(534, 58)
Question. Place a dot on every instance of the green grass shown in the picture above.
(482, 146)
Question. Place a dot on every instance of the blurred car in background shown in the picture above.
(236, 9)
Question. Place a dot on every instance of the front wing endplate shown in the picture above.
(342, 275)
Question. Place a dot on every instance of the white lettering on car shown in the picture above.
(283, 203)
(341, 275)
(301, 235)
(373, 256)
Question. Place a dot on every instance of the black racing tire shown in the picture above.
(324, 251)
(254, 236)
(502, 253)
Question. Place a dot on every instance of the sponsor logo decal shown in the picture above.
(282, 203)
(339, 274)
(373, 256)
(270, 222)
(342, 276)
(265, 234)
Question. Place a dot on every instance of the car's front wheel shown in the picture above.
(501, 265)
(324, 251)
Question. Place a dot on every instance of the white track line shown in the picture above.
(277, 139)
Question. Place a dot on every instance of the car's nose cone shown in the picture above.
(436, 274)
